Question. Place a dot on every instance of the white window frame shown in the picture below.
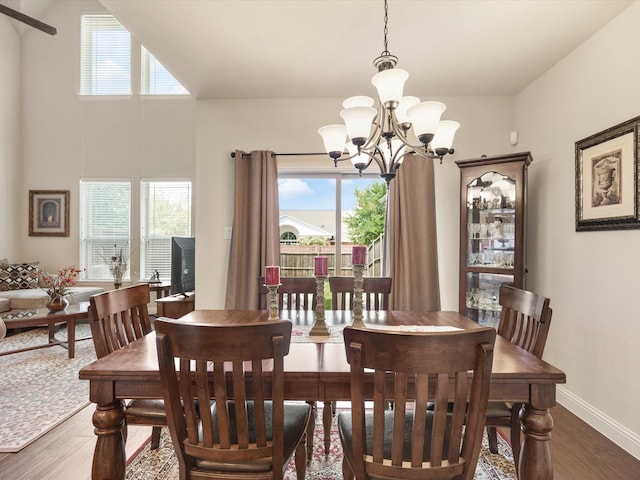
(98, 242)
(155, 78)
(96, 70)
(154, 247)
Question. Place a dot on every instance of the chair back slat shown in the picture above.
(119, 317)
(525, 319)
(240, 366)
(376, 293)
(294, 293)
(450, 369)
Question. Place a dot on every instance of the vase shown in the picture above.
(57, 304)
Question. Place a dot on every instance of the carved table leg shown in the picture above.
(327, 419)
(535, 458)
(109, 455)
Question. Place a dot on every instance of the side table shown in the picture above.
(176, 306)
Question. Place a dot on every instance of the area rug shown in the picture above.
(161, 464)
(39, 389)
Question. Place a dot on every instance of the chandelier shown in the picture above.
(382, 134)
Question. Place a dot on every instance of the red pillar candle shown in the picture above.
(359, 255)
(321, 266)
(272, 275)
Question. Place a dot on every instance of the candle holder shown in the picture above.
(272, 298)
(358, 271)
(319, 326)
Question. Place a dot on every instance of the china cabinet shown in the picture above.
(492, 231)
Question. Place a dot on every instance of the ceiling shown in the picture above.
(325, 48)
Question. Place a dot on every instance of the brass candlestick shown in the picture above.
(319, 326)
(358, 271)
(272, 298)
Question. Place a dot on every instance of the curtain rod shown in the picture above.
(233, 154)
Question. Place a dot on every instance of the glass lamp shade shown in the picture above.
(405, 104)
(425, 118)
(390, 84)
(397, 148)
(444, 135)
(358, 121)
(334, 138)
(358, 159)
(358, 101)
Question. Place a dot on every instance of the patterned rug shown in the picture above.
(161, 464)
(39, 389)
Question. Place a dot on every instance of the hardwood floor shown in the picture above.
(65, 453)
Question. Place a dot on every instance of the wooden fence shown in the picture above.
(297, 260)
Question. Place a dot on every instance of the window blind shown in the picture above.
(105, 62)
(165, 213)
(105, 212)
(157, 80)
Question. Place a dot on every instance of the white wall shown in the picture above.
(9, 139)
(591, 277)
(67, 137)
(289, 126)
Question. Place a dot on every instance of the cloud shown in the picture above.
(293, 187)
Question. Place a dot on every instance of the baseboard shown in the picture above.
(607, 426)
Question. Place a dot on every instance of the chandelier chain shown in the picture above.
(386, 30)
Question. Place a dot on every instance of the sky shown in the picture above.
(319, 193)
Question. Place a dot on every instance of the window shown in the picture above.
(165, 213)
(289, 238)
(316, 206)
(105, 64)
(105, 56)
(105, 212)
(156, 80)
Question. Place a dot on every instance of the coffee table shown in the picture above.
(43, 317)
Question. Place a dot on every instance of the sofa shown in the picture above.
(20, 288)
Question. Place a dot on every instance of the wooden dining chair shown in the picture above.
(524, 321)
(294, 293)
(117, 318)
(297, 293)
(411, 369)
(376, 297)
(376, 293)
(249, 432)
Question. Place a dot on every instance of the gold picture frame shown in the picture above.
(49, 213)
(607, 179)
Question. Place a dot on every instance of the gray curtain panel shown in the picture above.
(256, 229)
(412, 248)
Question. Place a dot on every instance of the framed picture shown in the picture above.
(49, 213)
(607, 179)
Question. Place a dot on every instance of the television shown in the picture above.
(183, 265)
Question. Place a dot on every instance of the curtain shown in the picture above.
(256, 231)
(410, 230)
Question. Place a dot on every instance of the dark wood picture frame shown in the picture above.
(607, 179)
(49, 213)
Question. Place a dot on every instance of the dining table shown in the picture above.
(316, 369)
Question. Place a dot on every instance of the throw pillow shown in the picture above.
(18, 276)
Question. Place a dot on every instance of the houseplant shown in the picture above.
(56, 286)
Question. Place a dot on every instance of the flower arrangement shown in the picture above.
(56, 285)
(118, 265)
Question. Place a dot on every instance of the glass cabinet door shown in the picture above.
(491, 232)
(491, 221)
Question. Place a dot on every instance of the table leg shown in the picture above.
(109, 455)
(535, 457)
(71, 337)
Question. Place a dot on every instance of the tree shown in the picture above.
(367, 221)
